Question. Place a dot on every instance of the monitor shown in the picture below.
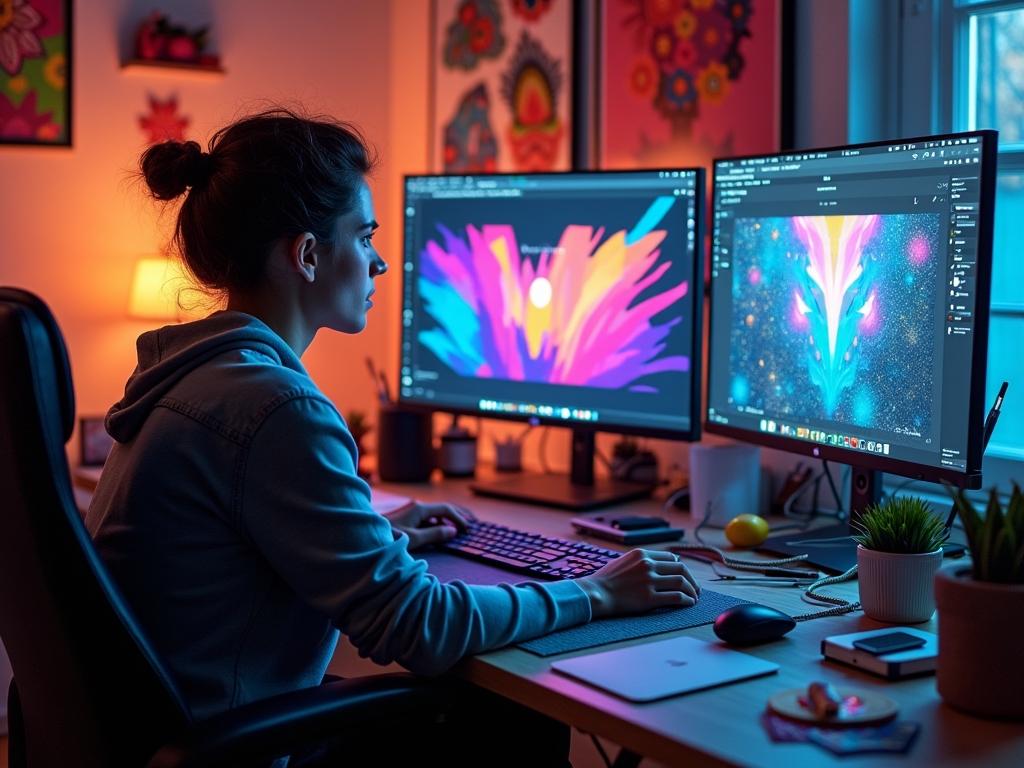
(849, 302)
(567, 299)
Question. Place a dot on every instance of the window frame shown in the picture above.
(1002, 463)
(932, 42)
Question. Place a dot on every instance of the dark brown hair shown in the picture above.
(268, 176)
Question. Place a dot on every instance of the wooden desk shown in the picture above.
(721, 726)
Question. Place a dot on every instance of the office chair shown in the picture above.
(89, 689)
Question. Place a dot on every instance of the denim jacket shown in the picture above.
(232, 518)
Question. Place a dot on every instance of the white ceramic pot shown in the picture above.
(897, 588)
(980, 629)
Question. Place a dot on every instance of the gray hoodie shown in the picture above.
(231, 516)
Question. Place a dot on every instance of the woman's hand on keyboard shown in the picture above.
(429, 523)
(639, 581)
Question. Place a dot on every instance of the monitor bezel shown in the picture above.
(971, 477)
(697, 330)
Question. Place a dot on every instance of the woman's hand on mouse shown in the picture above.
(429, 523)
(639, 581)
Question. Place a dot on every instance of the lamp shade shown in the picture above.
(155, 289)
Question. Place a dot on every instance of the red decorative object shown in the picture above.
(157, 39)
(163, 122)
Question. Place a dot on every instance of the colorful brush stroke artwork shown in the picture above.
(501, 86)
(686, 81)
(834, 318)
(35, 72)
(583, 314)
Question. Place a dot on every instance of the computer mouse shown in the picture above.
(750, 623)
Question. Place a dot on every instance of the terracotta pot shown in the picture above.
(897, 588)
(981, 626)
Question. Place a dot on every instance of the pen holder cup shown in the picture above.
(405, 445)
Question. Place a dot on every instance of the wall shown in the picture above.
(73, 223)
(822, 69)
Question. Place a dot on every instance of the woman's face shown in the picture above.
(351, 266)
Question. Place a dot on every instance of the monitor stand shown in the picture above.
(578, 492)
(832, 547)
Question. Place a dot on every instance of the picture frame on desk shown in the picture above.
(94, 441)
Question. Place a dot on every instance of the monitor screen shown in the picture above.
(849, 303)
(565, 298)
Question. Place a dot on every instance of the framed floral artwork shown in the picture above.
(502, 85)
(685, 81)
(35, 72)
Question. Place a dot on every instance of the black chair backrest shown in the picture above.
(89, 690)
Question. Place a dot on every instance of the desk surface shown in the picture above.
(722, 726)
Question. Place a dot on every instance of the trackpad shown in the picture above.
(448, 567)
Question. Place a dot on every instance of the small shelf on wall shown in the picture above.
(164, 68)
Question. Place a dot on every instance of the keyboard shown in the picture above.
(532, 555)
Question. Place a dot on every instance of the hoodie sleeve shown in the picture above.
(303, 506)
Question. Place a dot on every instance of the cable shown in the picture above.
(702, 523)
(604, 755)
(840, 606)
(542, 451)
(732, 562)
(832, 485)
(673, 498)
(815, 481)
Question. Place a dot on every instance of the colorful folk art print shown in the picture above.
(833, 318)
(502, 100)
(685, 81)
(583, 315)
(35, 72)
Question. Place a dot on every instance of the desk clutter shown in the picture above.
(845, 721)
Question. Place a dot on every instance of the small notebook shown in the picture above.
(665, 668)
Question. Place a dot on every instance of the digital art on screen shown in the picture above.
(833, 318)
(576, 316)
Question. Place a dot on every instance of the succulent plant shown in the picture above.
(904, 525)
(996, 541)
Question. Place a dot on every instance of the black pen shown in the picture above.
(993, 415)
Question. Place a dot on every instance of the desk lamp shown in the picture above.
(155, 287)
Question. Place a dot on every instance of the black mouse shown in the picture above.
(750, 623)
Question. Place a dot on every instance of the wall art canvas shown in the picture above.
(685, 81)
(502, 86)
(35, 72)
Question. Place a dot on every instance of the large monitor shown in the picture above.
(849, 305)
(567, 299)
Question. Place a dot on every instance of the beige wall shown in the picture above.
(71, 225)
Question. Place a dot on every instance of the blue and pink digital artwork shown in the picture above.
(573, 316)
(834, 318)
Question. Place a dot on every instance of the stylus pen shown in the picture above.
(993, 415)
(990, 425)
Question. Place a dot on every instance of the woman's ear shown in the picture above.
(303, 256)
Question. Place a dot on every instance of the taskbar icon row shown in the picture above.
(825, 438)
(540, 411)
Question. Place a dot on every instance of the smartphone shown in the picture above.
(889, 643)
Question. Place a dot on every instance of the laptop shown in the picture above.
(665, 668)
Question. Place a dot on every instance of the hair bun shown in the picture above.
(171, 167)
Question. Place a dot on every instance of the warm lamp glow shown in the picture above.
(155, 289)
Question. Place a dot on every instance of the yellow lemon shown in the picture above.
(746, 530)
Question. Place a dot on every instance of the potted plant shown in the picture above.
(981, 612)
(899, 549)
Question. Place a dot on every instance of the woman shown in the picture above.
(230, 512)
